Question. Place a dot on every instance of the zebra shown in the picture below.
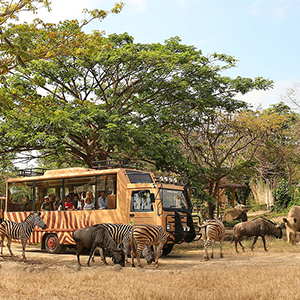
(20, 231)
(121, 234)
(146, 235)
(117, 232)
(214, 230)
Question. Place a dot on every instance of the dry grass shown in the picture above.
(182, 275)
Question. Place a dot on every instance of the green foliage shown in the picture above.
(108, 97)
(283, 195)
(231, 223)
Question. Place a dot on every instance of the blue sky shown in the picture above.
(261, 34)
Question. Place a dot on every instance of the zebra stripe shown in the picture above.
(21, 231)
(147, 235)
(117, 232)
(214, 230)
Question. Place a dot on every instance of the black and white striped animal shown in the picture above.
(118, 233)
(147, 235)
(20, 231)
(121, 234)
(214, 230)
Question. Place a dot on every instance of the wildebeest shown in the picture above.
(257, 227)
(292, 221)
(21, 231)
(214, 230)
(147, 235)
(97, 236)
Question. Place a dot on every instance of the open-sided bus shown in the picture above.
(134, 197)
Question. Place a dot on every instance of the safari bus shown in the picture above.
(134, 196)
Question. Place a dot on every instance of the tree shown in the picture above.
(224, 144)
(21, 43)
(279, 157)
(109, 97)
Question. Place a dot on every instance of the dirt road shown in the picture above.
(181, 275)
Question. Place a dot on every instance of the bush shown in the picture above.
(283, 195)
(231, 223)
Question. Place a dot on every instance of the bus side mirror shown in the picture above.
(152, 198)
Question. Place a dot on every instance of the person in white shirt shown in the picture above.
(102, 200)
(88, 205)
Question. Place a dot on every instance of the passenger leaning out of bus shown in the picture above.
(68, 203)
(102, 200)
(89, 205)
(27, 206)
(45, 205)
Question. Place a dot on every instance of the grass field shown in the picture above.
(181, 275)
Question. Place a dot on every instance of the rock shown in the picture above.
(241, 206)
(117, 267)
(232, 214)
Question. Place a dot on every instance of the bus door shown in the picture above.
(142, 207)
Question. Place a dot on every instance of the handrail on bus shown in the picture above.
(115, 163)
(31, 172)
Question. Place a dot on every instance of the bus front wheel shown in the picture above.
(52, 244)
(167, 249)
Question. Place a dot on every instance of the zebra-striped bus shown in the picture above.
(133, 196)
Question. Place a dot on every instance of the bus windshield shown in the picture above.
(173, 199)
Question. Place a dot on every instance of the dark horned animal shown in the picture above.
(257, 227)
(97, 236)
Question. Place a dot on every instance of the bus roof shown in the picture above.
(70, 172)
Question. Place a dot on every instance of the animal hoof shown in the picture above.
(206, 258)
(212, 256)
(132, 266)
(221, 255)
(141, 266)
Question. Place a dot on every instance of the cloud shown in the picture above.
(264, 99)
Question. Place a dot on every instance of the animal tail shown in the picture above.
(233, 236)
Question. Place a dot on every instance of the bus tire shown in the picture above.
(167, 249)
(52, 244)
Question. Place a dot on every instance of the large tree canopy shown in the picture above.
(111, 97)
(21, 43)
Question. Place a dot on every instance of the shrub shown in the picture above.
(283, 195)
(231, 223)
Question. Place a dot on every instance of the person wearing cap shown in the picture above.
(46, 206)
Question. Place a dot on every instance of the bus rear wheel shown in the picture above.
(52, 244)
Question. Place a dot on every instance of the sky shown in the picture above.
(261, 34)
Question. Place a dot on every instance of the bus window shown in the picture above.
(173, 199)
(139, 177)
(16, 195)
(108, 184)
(140, 201)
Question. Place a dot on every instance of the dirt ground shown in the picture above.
(182, 274)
